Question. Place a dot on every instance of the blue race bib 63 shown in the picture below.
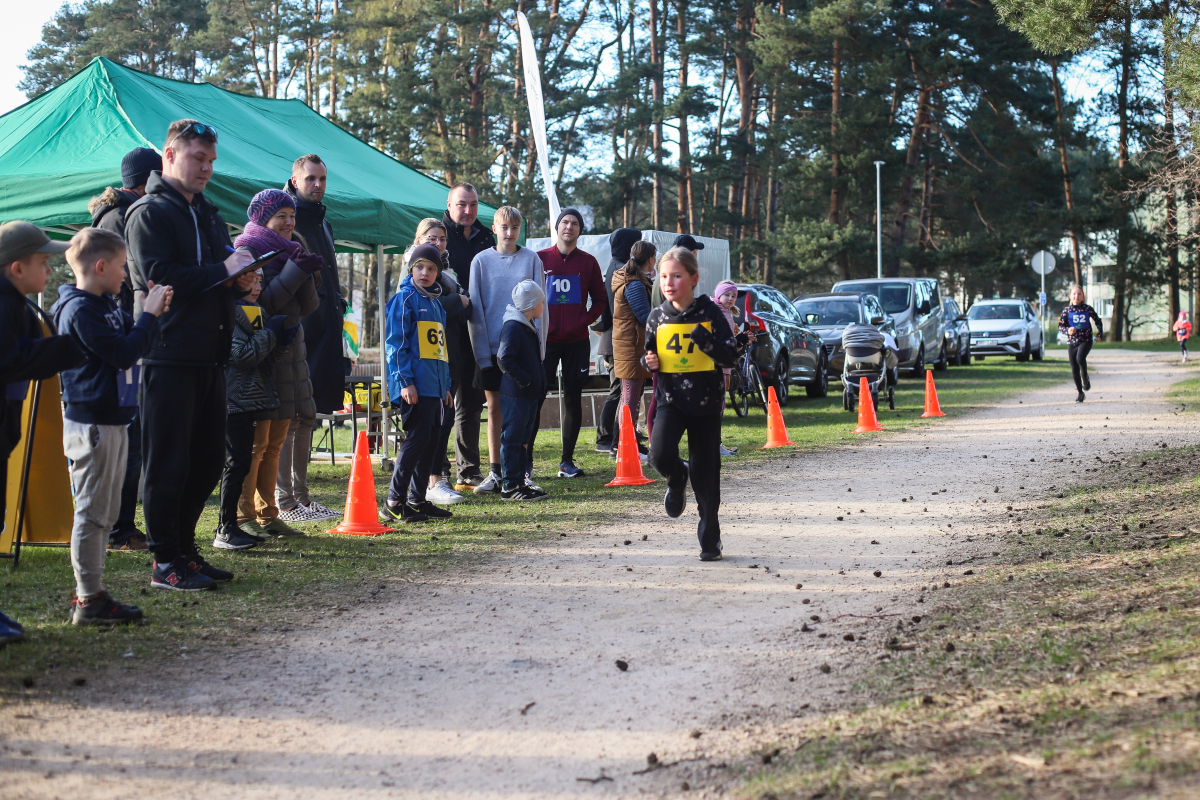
(563, 290)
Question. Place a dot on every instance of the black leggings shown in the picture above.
(1183, 345)
(704, 465)
(1077, 352)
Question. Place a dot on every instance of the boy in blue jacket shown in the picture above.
(522, 389)
(418, 374)
(100, 399)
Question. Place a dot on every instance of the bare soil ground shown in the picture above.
(503, 680)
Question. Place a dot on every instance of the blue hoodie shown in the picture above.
(416, 342)
(94, 393)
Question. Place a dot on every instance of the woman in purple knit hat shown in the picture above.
(290, 284)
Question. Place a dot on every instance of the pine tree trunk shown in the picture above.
(683, 215)
(1119, 322)
(1172, 210)
(906, 184)
(1066, 171)
(656, 94)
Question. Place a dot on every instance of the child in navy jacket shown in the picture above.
(100, 398)
(522, 389)
(418, 374)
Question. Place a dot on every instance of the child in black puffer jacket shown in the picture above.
(688, 341)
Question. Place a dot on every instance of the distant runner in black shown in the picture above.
(1076, 322)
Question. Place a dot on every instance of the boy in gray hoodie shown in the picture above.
(494, 273)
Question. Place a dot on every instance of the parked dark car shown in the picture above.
(915, 304)
(828, 314)
(957, 333)
(790, 354)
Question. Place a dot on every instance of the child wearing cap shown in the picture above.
(418, 374)
(25, 355)
(522, 389)
(100, 399)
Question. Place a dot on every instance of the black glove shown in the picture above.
(309, 262)
(743, 338)
(702, 336)
(275, 325)
(284, 338)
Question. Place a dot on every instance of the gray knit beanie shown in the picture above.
(526, 295)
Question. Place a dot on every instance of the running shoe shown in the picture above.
(523, 493)
(234, 539)
(319, 512)
(714, 556)
(604, 447)
(297, 514)
(403, 513)
(206, 569)
(10, 634)
(568, 470)
(5, 619)
(279, 528)
(1079, 398)
(253, 529)
(489, 485)
(127, 540)
(430, 510)
(180, 577)
(1087, 385)
(529, 482)
(441, 494)
(467, 483)
(726, 452)
(102, 610)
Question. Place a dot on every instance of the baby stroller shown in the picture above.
(872, 355)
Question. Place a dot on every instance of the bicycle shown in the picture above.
(746, 383)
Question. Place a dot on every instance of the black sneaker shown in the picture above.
(430, 510)
(234, 539)
(179, 576)
(604, 447)
(127, 540)
(1087, 386)
(675, 500)
(523, 493)
(714, 556)
(102, 610)
(206, 569)
(403, 513)
(467, 483)
(1080, 398)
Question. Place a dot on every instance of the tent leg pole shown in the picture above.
(23, 495)
(384, 420)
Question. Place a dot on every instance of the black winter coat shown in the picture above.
(520, 358)
(322, 327)
(462, 252)
(25, 356)
(694, 393)
(249, 378)
(184, 246)
(108, 212)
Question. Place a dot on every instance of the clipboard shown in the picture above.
(251, 267)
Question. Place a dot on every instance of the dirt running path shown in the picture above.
(501, 681)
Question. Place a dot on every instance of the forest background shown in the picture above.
(755, 122)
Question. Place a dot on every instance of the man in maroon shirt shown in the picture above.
(572, 278)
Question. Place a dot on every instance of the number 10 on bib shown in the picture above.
(678, 353)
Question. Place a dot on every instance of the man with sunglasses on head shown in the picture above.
(177, 237)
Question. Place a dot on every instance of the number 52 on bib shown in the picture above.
(678, 353)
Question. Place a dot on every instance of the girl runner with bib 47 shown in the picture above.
(688, 341)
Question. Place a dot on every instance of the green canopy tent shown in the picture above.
(64, 147)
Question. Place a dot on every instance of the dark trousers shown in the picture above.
(519, 429)
(704, 465)
(576, 360)
(422, 429)
(183, 452)
(1077, 353)
(129, 488)
(239, 455)
(468, 407)
(606, 428)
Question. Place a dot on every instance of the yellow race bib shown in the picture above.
(678, 353)
(254, 314)
(432, 337)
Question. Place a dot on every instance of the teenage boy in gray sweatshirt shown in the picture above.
(494, 273)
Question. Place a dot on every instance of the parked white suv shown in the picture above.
(1005, 328)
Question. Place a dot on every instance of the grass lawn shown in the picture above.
(283, 581)
(1067, 670)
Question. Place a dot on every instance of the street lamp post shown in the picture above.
(878, 224)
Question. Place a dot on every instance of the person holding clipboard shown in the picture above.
(688, 341)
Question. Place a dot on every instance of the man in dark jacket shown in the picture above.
(108, 212)
(620, 242)
(177, 237)
(466, 238)
(323, 327)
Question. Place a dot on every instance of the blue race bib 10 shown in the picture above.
(563, 290)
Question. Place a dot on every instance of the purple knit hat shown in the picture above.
(267, 203)
(723, 287)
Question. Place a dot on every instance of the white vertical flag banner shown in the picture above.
(537, 116)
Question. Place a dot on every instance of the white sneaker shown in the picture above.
(319, 512)
(441, 494)
(490, 485)
(529, 482)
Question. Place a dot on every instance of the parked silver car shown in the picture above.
(915, 304)
(1006, 328)
(958, 333)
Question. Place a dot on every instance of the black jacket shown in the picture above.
(520, 357)
(25, 356)
(462, 252)
(323, 327)
(693, 393)
(250, 376)
(112, 343)
(108, 212)
(184, 246)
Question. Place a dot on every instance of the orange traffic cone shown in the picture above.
(776, 429)
(362, 510)
(866, 409)
(629, 463)
(932, 407)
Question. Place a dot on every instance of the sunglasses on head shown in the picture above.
(198, 128)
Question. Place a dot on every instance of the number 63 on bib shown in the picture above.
(432, 337)
(678, 353)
